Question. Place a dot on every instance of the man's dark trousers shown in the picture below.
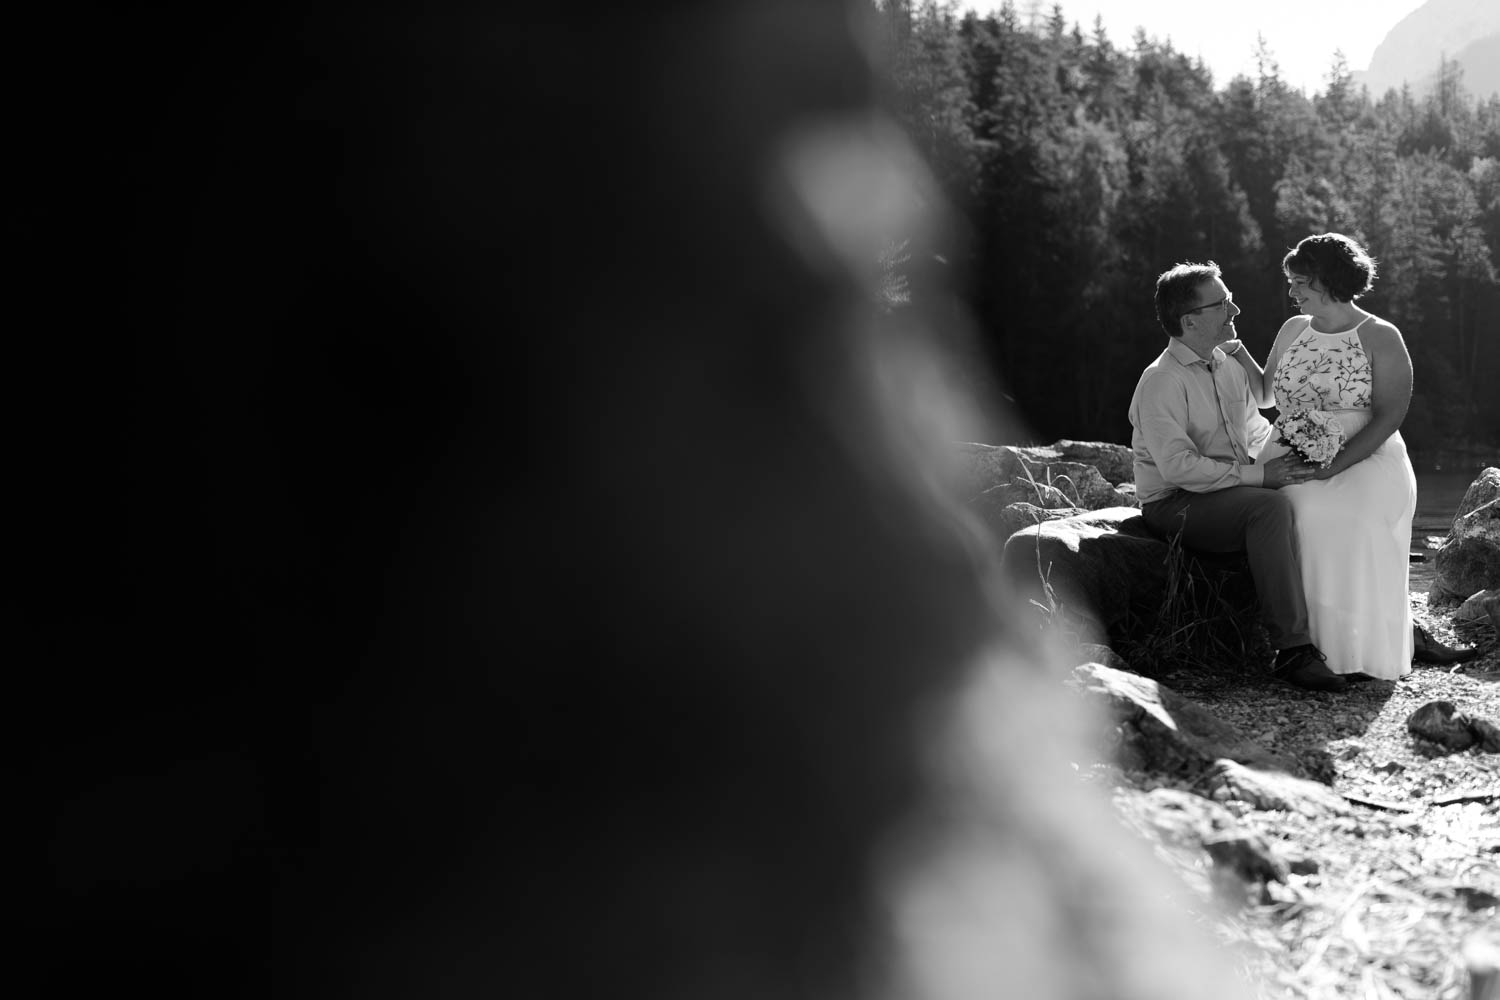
(1253, 520)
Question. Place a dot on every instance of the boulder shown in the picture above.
(1102, 568)
(1482, 523)
(1097, 567)
(1486, 734)
(1081, 472)
(1442, 722)
(1272, 791)
(1040, 495)
(1093, 652)
(1480, 607)
(1247, 856)
(1203, 834)
(1115, 462)
(1176, 818)
(1161, 731)
(1004, 521)
(1464, 566)
(1469, 559)
(1483, 491)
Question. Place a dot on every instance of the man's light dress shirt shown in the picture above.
(1196, 425)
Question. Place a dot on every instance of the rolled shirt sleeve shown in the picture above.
(1258, 433)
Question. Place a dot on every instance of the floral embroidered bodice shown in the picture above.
(1323, 371)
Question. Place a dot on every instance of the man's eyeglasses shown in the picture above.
(1229, 299)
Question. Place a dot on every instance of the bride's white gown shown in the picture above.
(1354, 530)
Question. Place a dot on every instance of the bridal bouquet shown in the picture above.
(1316, 435)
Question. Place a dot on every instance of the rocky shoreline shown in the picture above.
(1388, 873)
(1335, 850)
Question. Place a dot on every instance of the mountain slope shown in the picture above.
(1463, 31)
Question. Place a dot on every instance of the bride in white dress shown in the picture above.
(1354, 518)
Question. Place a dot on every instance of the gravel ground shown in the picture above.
(1404, 880)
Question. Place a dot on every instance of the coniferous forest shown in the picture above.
(1078, 168)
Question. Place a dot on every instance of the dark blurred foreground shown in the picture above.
(455, 587)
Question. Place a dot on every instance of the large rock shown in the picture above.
(1011, 487)
(1161, 731)
(1247, 857)
(1031, 494)
(1441, 722)
(1115, 462)
(1098, 567)
(1469, 561)
(1104, 568)
(1482, 492)
(1463, 567)
(1481, 523)
(1479, 607)
(1177, 818)
(1088, 473)
(1004, 521)
(1272, 791)
(1201, 834)
(1009, 507)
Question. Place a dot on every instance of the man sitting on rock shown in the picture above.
(1196, 434)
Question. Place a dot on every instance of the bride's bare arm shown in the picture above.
(1261, 378)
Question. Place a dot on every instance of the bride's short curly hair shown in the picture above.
(1337, 262)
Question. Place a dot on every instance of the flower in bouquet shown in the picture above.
(1316, 435)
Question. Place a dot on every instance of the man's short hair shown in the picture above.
(1177, 292)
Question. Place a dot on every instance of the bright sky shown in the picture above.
(1302, 34)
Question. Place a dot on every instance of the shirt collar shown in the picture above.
(1185, 355)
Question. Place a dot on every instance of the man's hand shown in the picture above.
(1287, 470)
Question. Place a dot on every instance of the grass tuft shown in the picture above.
(1042, 494)
(1209, 620)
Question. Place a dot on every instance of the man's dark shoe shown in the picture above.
(1304, 667)
(1426, 649)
